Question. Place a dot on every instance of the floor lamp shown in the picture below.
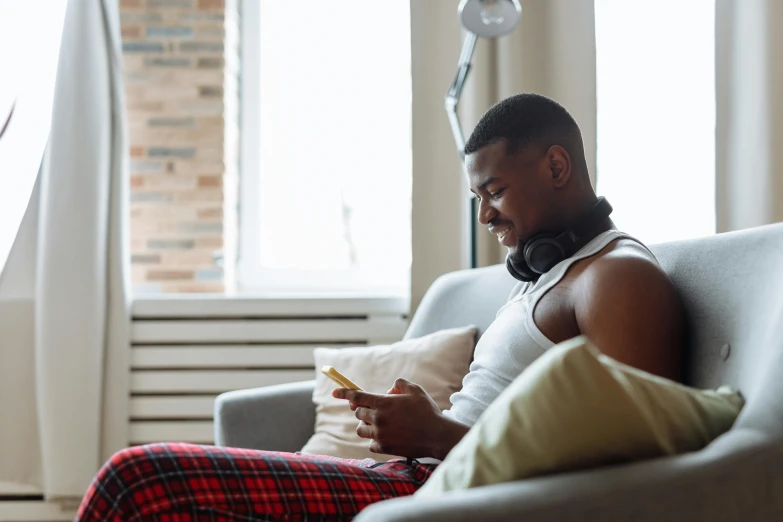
(485, 19)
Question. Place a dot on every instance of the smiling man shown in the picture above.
(578, 275)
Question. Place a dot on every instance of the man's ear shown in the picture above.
(559, 165)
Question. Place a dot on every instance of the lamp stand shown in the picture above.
(451, 103)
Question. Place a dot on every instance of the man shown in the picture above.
(526, 165)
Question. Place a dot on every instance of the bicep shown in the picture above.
(632, 313)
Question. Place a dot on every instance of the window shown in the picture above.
(656, 115)
(325, 198)
(30, 91)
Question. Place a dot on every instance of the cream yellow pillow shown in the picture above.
(436, 362)
(575, 408)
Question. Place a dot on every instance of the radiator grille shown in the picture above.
(185, 351)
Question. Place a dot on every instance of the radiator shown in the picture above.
(185, 351)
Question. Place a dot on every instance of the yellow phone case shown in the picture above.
(339, 378)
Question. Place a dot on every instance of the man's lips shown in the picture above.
(503, 233)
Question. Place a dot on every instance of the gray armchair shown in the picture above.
(732, 285)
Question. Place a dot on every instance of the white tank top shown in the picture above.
(513, 341)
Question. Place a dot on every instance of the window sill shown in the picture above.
(169, 306)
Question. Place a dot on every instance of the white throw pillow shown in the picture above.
(436, 362)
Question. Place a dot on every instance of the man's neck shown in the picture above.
(586, 232)
(590, 233)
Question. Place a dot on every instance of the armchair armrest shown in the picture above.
(275, 418)
(734, 479)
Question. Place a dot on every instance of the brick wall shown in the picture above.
(181, 69)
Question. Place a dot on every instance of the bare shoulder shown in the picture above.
(622, 266)
(625, 265)
(627, 304)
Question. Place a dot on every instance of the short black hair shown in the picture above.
(527, 119)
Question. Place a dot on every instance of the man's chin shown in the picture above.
(512, 250)
(514, 256)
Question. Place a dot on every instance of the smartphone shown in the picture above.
(339, 378)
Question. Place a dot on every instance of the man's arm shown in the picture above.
(629, 308)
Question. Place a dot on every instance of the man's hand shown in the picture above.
(404, 422)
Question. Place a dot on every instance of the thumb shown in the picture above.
(403, 386)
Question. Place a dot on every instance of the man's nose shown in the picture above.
(485, 212)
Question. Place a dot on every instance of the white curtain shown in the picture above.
(551, 52)
(749, 115)
(30, 90)
(80, 311)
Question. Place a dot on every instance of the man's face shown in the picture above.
(514, 192)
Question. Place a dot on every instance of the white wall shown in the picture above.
(438, 182)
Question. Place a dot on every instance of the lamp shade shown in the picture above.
(489, 18)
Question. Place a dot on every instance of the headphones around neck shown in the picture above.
(546, 249)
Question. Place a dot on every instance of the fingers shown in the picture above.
(376, 447)
(402, 386)
(398, 387)
(337, 393)
(372, 400)
(367, 415)
(369, 400)
(365, 431)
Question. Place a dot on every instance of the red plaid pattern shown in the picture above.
(189, 482)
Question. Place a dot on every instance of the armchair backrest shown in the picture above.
(732, 286)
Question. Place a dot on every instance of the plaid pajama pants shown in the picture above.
(188, 482)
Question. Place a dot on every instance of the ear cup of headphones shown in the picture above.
(542, 252)
(521, 273)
